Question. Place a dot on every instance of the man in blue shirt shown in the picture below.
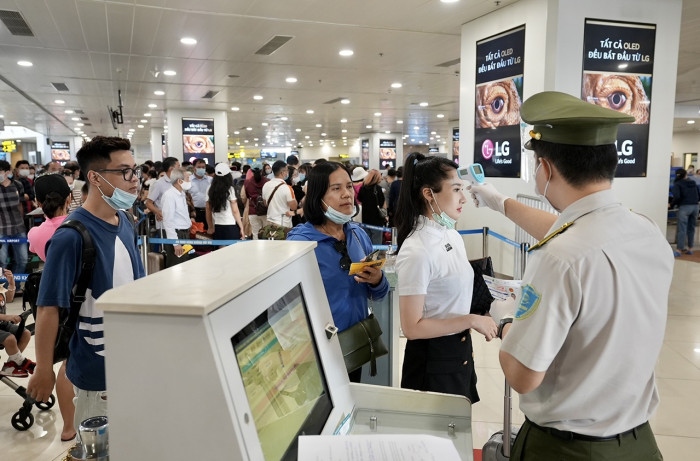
(114, 181)
(200, 185)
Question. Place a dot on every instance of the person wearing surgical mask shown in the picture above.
(583, 343)
(200, 184)
(110, 169)
(435, 281)
(329, 206)
(176, 216)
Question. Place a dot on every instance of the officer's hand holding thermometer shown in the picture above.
(485, 194)
(482, 193)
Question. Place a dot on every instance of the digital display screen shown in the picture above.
(282, 376)
(477, 169)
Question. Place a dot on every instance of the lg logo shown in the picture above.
(489, 149)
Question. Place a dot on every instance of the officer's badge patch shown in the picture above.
(529, 302)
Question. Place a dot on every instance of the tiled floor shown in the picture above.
(675, 423)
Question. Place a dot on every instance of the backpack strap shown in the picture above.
(86, 268)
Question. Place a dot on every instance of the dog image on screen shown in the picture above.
(623, 93)
(497, 104)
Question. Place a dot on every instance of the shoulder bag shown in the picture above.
(273, 231)
(481, 296)
(362, 343)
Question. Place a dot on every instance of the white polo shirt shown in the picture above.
(592, 316)
(433, 262)
(279, 205)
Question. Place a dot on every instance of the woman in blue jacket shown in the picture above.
(328, 209)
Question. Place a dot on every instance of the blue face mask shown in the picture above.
(120, 199)
(302, 177)
(443, 219)
(200, 171)
(336, 216)
(10, 176)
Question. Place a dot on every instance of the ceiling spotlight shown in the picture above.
(169, 73)
(68, 111)
(291, 80)
(265, 124)
(449, 1)
(345, 101)
(143, 121)
(298, 130)
(284, 119)
(396, 85)
(399, 122)
(318, 125)
(139, 126)
(75, 119)
(59, 101)
(24, 63)
(690, 122)
(147, 114)
(188, 41)
(343, 120)
(309, 111)
(152, 106)
(257, 97)
(13, 123)
(159, 92)
(377, 114)
(79, 124)
(423, 104)
(440, 115)
(346, 52)
(368, 126)
(249, 128)
(235, 108)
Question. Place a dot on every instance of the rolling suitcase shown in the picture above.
(499, 445)
(155, 263)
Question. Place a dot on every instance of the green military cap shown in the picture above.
(564, 119)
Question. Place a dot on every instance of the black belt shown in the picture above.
(567, 435)
(200, 209)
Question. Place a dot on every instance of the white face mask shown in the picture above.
(186, 186)
(24, 173)
(543, 195)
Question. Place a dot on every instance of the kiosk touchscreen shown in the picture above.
(282, 376)
(234, 355)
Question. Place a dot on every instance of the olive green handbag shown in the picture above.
(362, 343)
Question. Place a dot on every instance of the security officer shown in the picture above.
(584, 340)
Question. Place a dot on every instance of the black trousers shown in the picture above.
(170, 258)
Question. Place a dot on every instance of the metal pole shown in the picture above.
(485, 242)
(506, 421)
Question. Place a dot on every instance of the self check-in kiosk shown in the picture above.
(233, 355)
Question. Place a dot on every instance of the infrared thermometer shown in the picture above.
(474, 174)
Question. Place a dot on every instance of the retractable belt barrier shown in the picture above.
(486, 232)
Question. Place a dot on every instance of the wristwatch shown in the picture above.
(504, 321)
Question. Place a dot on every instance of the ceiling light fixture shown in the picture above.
(440, 115)
(423, 104)
(377, 114)
(346, 52)
(147, 114)
(159, 92)
(309, 111)
(235, 108)
(291, 80)
(68, 111)
(59, 101)
(25, 63)
(399, 122)
(169, 73)
(345, 101)
(343, 120)
(690, 122)
(152, 106)
(188, 41)
(396, 85)
(257, 97)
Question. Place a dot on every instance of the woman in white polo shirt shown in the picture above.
(435, 281)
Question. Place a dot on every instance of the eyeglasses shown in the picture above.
(127, 173)
(345, 260)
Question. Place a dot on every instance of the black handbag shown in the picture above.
(481, 296)
(362, 343)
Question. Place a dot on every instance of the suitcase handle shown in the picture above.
(507, 409)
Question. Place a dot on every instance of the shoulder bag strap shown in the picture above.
(273, 192)
(86, 268)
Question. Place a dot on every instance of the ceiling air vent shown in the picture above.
(273, 45)
(210, 94)
(60, 86)
(15, 23)
(449, 63)
(79, 111)
(333, 101)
